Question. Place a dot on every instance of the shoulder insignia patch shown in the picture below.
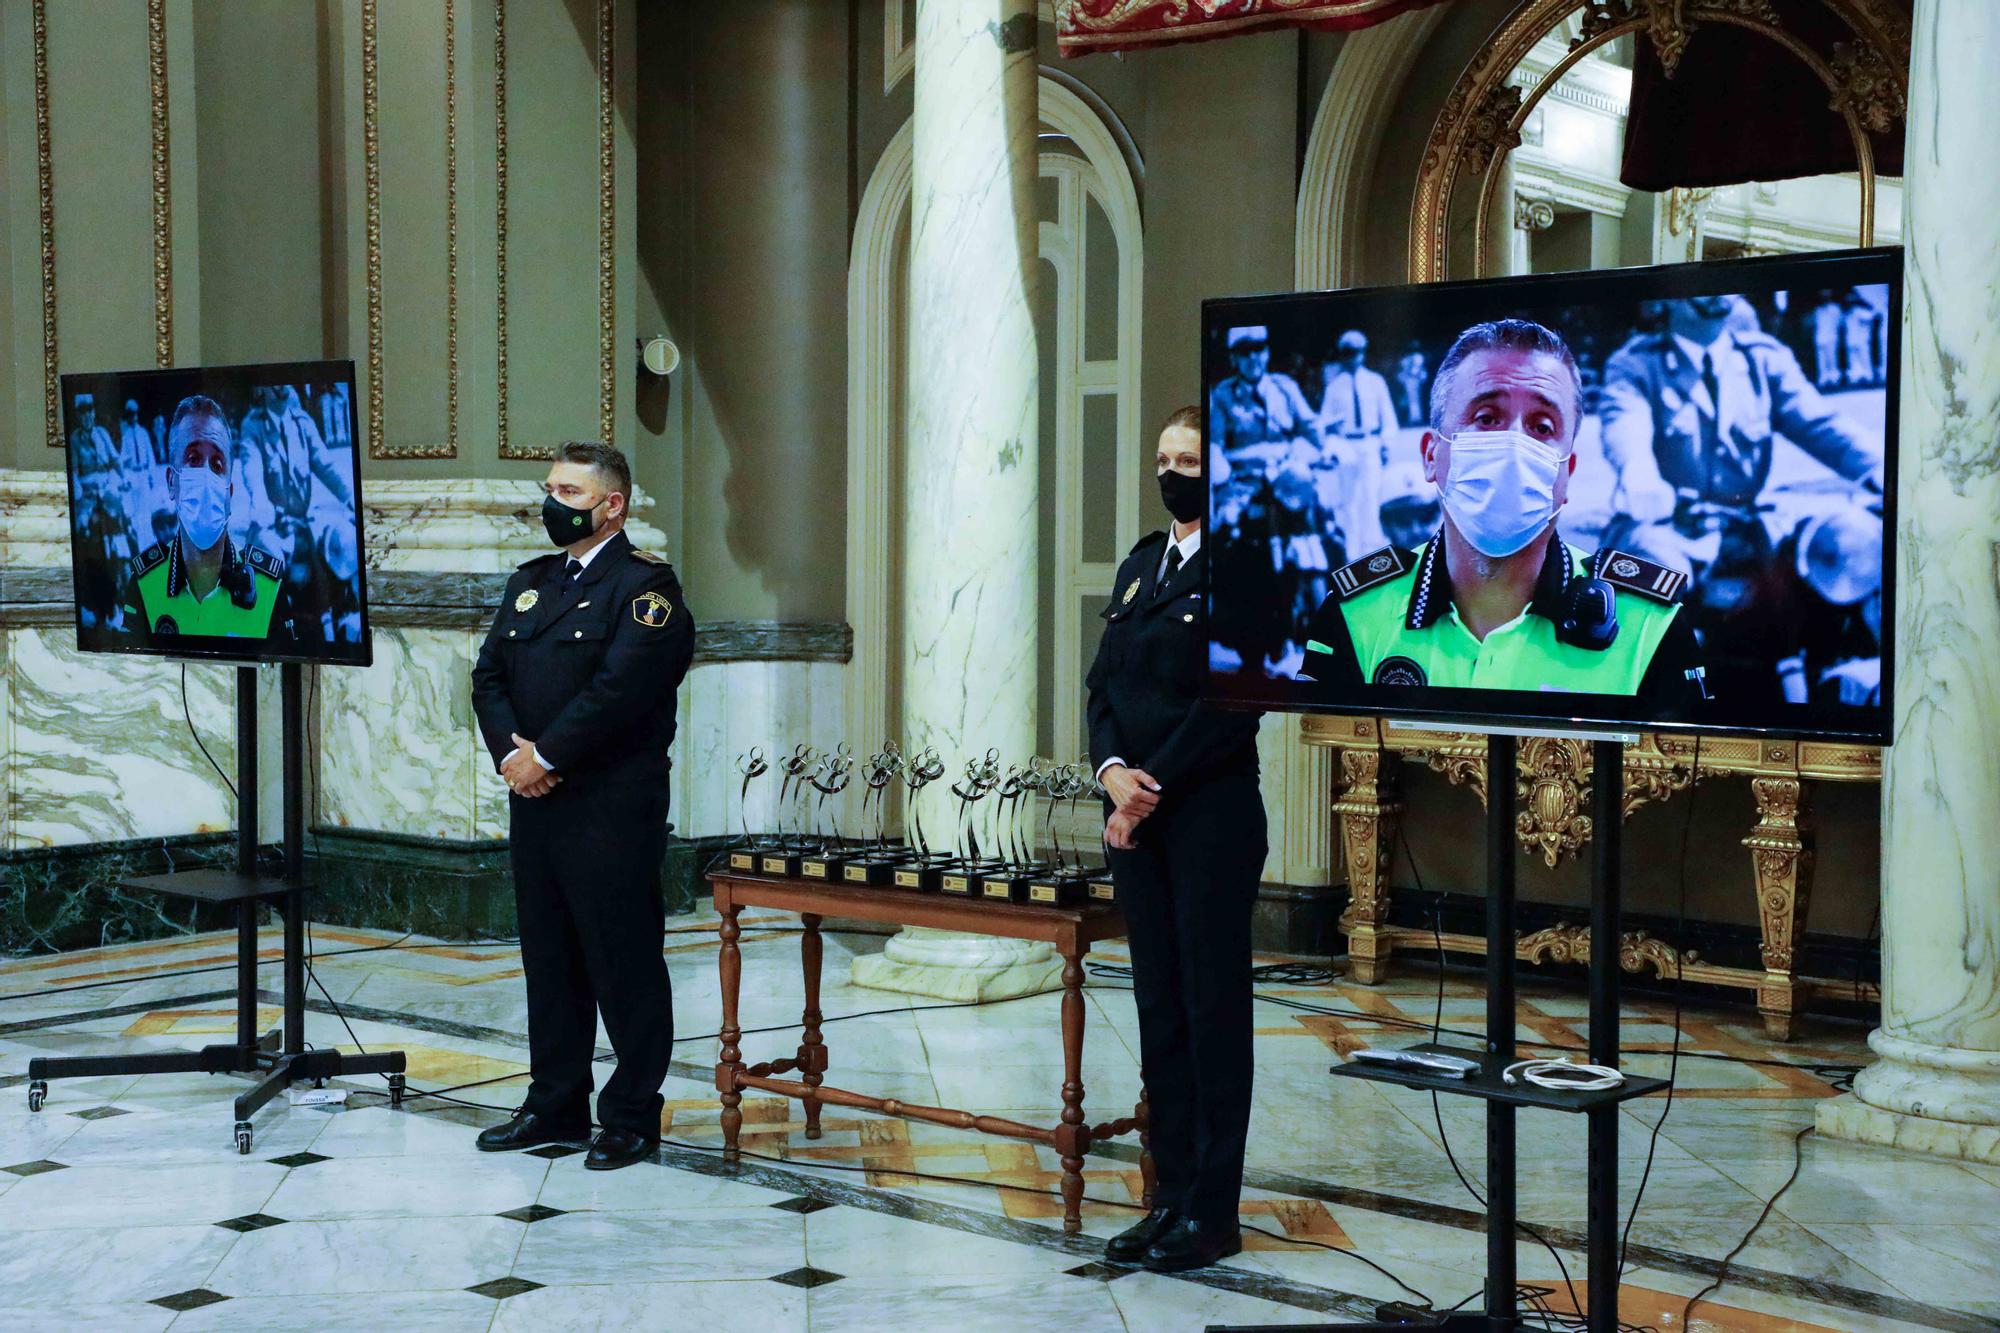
(651, 610)
(648, 556)
(264, 563)
(1377, 567)
(152, 556)
(1621, 569)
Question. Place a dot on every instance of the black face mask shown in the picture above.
(566, 526)
(1185, 497)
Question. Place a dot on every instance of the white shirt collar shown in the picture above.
(587, 556)
(1187, 545)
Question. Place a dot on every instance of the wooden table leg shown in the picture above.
(812, 1049)
(1781, 855)
(729, 967)
(1147, 1175)
(1072, 1137)
(1365, 817)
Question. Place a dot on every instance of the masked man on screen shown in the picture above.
(1496, 599)
(198, 582)
(575, 692)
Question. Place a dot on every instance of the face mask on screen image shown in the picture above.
(203, 506)
(1501, 488)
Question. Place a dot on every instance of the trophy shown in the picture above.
(830, 860)
(1015, 818)
(877, 861)
(751, 766)
(1061, 882)
(1098, 876)
(982, 777)
(925, 869)
(784, 858)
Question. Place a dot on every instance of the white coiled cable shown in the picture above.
(1559, 1075)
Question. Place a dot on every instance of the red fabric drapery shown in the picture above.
(1084, 27)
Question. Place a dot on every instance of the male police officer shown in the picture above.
(1496, 600)
(1187, 839)
(1257, 406)
(574, 689)
(1358, 416)
(197, 582)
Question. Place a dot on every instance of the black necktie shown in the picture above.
(571, 571)
(1173, 563)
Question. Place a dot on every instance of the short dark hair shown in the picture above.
(1188, 417)
(1520, 335)
(603, 457)
(198, 405)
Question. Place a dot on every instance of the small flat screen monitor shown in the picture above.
(1655, 498)
(216, 513)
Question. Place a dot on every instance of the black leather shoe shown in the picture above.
(618, 1147)
(1130, 1245)
(1189, 1244)
(528, 1130)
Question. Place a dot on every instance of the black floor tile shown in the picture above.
(251, 1222)
(807, 1277)
(188, 1300)
(805, 1203)
(534, 1212)
(500, 1288)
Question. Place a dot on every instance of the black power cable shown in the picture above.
(1722, 1274)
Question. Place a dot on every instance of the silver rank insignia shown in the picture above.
(526, 601)
(1131, 592)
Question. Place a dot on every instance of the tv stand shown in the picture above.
(278, 1058)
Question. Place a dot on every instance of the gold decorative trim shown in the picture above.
(371, 157)
(607, 235)
(1465, 134)
(45, 186)
(163, 214)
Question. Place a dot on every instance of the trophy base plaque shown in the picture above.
(748, 859)
(872, 870)
(785, 864)
(825, 866)
(1008, 884)
(1100, 886)
(963, 877)
(1061, 890)
(924, 874)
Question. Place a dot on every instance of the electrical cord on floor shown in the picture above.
(1722, 1274)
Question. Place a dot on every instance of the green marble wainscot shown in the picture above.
(55, 899)
(443, 887)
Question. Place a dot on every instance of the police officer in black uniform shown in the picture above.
(574, 689)
(1187, 838)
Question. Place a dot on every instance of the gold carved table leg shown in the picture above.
(1366, 812)
(1781, 857)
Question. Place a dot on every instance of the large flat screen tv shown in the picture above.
(1656, 498)
(216, 513)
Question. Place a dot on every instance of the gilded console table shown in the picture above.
(1554, 821)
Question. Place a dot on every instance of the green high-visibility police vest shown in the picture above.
(160, 603)
(1392, 611)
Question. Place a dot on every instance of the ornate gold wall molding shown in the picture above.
(607, 234)
(371, 159)
(45, 188)
(1481, 117)
(163, 204)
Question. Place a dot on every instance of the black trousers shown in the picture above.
(1187, 891)
(587, 886)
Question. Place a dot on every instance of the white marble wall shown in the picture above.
(727, 707)
(970, 487)
(1937, 1084)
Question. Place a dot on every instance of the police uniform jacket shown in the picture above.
(1703, 418)
(1145, 683)
(587, 672)
(1390, 621)
(247, 602)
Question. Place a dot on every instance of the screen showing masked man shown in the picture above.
(1496, 599)
(199, 582)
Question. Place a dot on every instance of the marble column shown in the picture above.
(970, 576)
(1936, 1086)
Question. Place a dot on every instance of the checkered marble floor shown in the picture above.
(124, 1204)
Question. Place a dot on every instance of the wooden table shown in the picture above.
(1071, 930)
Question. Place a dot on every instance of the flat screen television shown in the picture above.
(1654, 498)
(215, 512)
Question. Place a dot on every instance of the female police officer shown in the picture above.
(1186, 833)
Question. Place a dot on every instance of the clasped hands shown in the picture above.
(1135, 794)
(524, 775)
